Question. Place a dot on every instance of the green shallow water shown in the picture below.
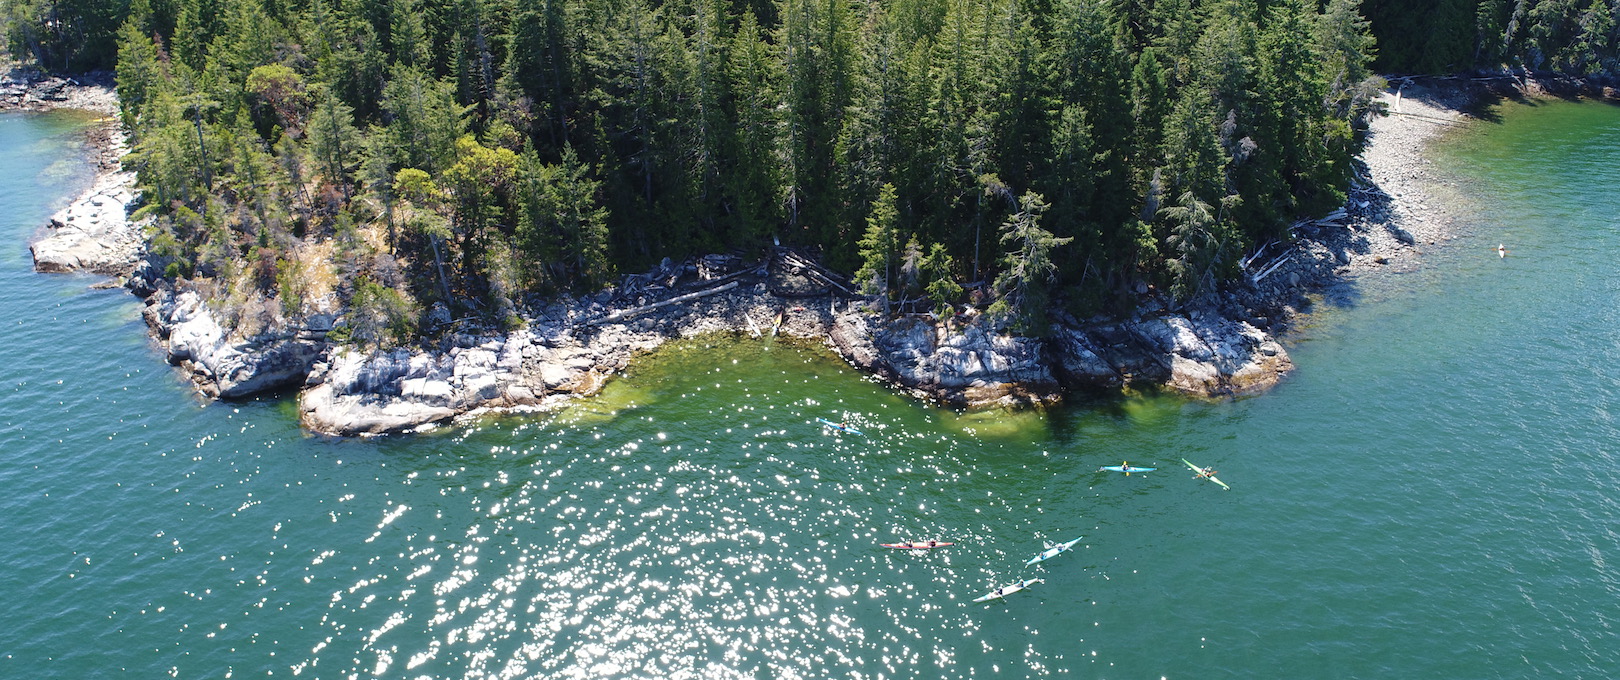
(1431, 494)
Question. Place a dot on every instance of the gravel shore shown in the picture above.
(1405, 207)
(1398, 206)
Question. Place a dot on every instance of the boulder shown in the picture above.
(144, 280)
(1079, 360)
(438, 315)
(851, 337)
(375, 393)
(321, 411)
(428, 391)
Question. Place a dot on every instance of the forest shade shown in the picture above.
(1007, 153)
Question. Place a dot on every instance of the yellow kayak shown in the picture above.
(1205, 473)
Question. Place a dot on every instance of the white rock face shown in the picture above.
(222, 367)
(94, 232)
(970, 367)
(401, 390)
(1204, 355)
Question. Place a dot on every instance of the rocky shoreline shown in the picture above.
(93, 233)
(1220, 346)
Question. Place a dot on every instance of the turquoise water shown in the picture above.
(1431, 494)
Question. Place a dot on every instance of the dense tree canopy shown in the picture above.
(1574, 37)
(1012, 152)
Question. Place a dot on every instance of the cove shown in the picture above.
(1432, 492)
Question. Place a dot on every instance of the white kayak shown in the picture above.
(1053, 551)
(1008, 590)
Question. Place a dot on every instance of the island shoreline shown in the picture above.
(1219, 346)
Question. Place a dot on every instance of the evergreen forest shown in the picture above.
(1014, 154)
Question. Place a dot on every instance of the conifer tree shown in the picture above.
(1018, 104)
(539, 68)
(425, 119)
(957, 123)
(1105, 134)
(753, 179)
(334, 140)
(140, 73)
(582, 220)
(873, 146)
(357, 66)
(407, 34)
(880, 248)
(1028, 267)
(816, 37)
(938, 270)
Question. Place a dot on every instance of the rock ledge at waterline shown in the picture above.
(569, 347)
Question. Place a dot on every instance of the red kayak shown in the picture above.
(917, 545)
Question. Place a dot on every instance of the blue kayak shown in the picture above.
(1127, 469)
(1053, 551)
(838, 426)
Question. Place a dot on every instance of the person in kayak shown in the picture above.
(1207, 472)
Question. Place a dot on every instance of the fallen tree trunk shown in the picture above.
(827, 281)
(1275, 264)
(627, 313)
(736, 275)
(821, 274)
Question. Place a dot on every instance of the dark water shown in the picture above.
(1432, 494)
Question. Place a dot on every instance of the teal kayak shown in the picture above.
(839, 426)
(1053, 551)
(1127, 469)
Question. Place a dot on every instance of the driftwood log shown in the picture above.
(815, 271)
(627, 313)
